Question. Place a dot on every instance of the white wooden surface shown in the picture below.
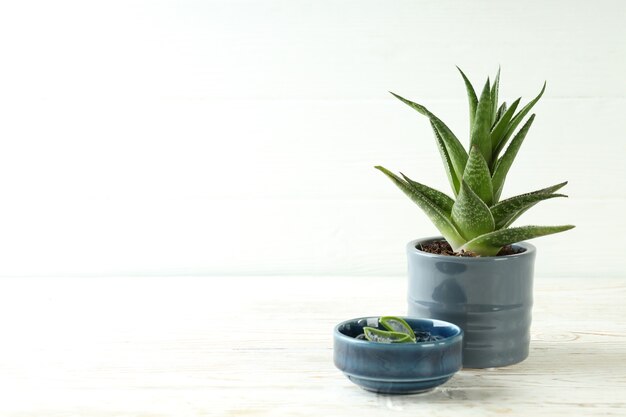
(262, 346)
(142, 138)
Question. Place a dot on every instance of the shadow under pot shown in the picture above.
(490, 298)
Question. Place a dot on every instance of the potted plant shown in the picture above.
(478, 275)
(395, 355)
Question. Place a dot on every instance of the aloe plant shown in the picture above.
(476, 220)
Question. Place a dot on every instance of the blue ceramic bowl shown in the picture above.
(398, 368)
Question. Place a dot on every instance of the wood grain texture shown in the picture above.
(262, 346)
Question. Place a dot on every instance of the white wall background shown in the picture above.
(238, 137)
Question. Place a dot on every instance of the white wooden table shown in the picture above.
(262, 346)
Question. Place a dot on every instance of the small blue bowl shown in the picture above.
(398, 368)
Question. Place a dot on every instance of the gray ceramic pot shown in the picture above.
(490, 298)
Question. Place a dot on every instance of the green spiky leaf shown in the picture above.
(397, 324)
(517, 119)
(478, 177)
(455, 181)
(506, 211)
(490, 244)
(470, 214)
(438, 198)
(455, 150)
(494, 97)
(503, 123)
(501, 110)
(504, 164)
(436, 214)
(480, 136)
(471, 97)
(381, 336)
(548, 190)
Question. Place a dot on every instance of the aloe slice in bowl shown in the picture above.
(397, 324)
(383, 336)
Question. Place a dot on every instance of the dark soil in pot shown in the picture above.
(441, 247)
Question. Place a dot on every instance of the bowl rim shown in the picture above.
(418, 345)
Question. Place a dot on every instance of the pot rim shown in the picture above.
(411, 247)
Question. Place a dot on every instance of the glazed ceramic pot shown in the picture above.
(490, 298)
(398, 368)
